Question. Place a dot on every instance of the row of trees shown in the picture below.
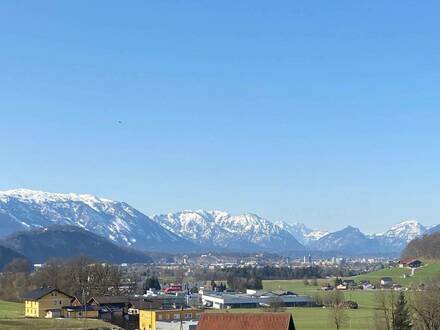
(240, 279)
(74, 277)
(274, 273)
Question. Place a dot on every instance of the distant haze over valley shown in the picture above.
(191, 230)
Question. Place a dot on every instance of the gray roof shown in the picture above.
(41, 292)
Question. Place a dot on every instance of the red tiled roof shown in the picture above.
(247, 321)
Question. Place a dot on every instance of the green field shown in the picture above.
(318, 318)
(430, 271)
(362, 318)
(11, 317)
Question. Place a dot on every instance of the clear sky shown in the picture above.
(323, 112)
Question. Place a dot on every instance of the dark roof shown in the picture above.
(386, 278)
(145, 304)
(102, 300)
(246, 321)
(284, 293)
(81, 308)
(41, 292)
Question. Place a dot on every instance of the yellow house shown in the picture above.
(148, 318)
(45, 302)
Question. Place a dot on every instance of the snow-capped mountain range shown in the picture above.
(187, 231)
(405, 231)
(301, 232)
(22, 209)
(216, 229)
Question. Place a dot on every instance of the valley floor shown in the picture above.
(11, 314)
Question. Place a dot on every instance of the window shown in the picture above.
(159, 317)
(188, 316)
(177, 316)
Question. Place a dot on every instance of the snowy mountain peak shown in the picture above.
(406, 230)
(217, 229)
(23, 209)
(301, 232)
(41, 196)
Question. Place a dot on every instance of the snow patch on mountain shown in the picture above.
(406, 230)
(218, 229)
(24, 209)
(301, 232)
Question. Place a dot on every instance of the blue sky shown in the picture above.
(324, 112)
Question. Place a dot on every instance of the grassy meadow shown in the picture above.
(430, 271)
(12, 317)
(362, 318)
(318, 318)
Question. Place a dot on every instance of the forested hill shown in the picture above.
(427, 247)
(40, 245)
(7, 255)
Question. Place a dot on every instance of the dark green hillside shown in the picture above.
(66, 242)
(7, 255)
(427, 247)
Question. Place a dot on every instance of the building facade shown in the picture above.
(150, 319)
(45, 302)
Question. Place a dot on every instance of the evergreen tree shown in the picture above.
(152, 283)
(338, 281)
(401, 318)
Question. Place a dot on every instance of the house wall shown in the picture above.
(53, 300)
(31, 308)
(81, 314)
(38, 308)
(148, 319)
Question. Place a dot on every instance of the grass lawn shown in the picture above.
(430, 271)
(362, 318)
(24, 324)
(317, 318)
(12, 317)
(11, 309)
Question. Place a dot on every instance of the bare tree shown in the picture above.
(337, 311)
(386, 301)
(274, 304)
(18, 265)
(426, 305)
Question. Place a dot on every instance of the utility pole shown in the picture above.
(84, 306)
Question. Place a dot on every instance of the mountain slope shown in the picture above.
(398, 236)
(26, 209)
(216, 229)
(301, 232)
(349, 241)
(7, 255)
(427, 247)
(406, 230)
(433, 230)
(39, 245)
